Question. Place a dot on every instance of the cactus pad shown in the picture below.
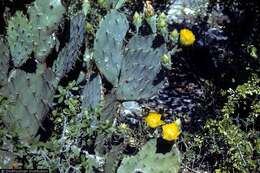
(20, 38)
(92, 93)
(108, 45)
(148, 161)
(140, 68)
(45, 17)
(30, 96)
(70, 53)
(36, 34)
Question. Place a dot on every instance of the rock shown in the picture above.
(187, 10)
(131, 111)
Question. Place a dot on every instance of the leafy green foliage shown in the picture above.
(65, 150)
(233, 138)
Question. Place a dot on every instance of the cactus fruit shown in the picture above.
(20, 38)
(108, 45)
(70, 53)
(92, 93)
(45, 17)
(148, 161)
(30, 96)
(140, 68)
(4, 62)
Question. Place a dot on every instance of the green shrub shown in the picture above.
(229, 143)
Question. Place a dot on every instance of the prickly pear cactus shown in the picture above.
(30, 96)
(113, 157)
(116, 4)
(45, 17)
(110, 107)
(148, 161)
(140, 68)
(4, 62)
(36, 34)
(133, 71)
(92, 93)
(108, 45)
(70, 53)
(20, 38)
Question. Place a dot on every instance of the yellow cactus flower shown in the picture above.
(171, 131)
(187, 37)
(154, 119)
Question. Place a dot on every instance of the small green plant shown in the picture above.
(229, 143)
(66, 149)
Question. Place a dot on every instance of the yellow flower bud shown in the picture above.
(153, 120)
(171, 131)
(187, 37)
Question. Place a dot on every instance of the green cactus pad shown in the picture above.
(108, 45)
(113, 157)
(70, 53)
(92, 93)
(4, 62)
(20, 38)
(36, 34)
(148, 161)
(118, 3)
(140, 68)
(109, 109)
(45, 17)
(30, 96)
